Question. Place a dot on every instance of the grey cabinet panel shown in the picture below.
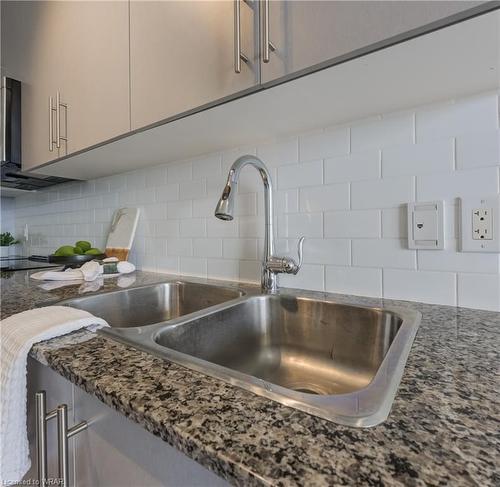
(30, 51)
(182, 56)
(114, 451)
(80, 49)
(306, 33)
(58, 391)
(93, 74)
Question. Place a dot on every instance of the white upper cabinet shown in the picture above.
(306, 33)
(30, 52)
(93, 78)
(182, 55)
(76, 49)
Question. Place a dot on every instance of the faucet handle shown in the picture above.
(300, 247)
(292, 267)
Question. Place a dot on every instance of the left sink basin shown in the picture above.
(156, 303)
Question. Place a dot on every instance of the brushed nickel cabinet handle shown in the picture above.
(63, 435)
(41, 432)
(267, 45)
(238, 55)
(51, 126)
(59, 104)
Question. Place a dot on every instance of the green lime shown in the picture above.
(78, 250)
(65, 251)
(93, 252)
(84, 245)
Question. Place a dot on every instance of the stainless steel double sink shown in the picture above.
(340, 362)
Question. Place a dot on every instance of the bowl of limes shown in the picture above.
(76, 255)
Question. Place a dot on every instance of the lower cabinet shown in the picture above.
(112, 451)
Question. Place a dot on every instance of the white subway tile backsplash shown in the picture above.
(167, 192)
(479, 291)
(192, 189)
(180, 172)
(385, 193)
(207, 247)
(179, 209)
(344, 188)
(208, 166)
(279, 153)
(240, 248)
(223, 269)
(427, 157)
(478, 150)
(469, 115)
(193, 227)
(324, 198)
(354, 280)
(309, 277)
(353, 224)
(300, 175)
(325, 251)
(450, 186)
(382, 132)
(301, 224)
(452, 260)
(395, 222)
(326, 143)
(426, 286)
(354, 167)
(179, 247)
(250, 271)
(386, 253)
(221, 229)
(193, 266)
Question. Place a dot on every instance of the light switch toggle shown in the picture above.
(426, 225)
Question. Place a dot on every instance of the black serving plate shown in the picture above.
(74, 261)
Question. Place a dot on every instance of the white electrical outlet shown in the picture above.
(480, 224)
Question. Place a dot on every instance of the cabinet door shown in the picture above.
(93, 72)
(58, 391)
(114, 451)
(182, 55)
(30, 52)
(306, 33)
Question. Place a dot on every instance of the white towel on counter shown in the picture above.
(88, 272)
(18, 334)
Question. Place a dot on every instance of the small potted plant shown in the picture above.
(6, 240)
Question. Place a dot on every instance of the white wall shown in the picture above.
(7, 214)
(344, 188)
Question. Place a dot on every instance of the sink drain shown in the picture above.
(306, 391)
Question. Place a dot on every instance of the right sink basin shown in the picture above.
(309, 346)
(340, 362)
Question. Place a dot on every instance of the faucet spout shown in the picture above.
(224, 210)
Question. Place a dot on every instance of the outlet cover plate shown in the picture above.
(426, 225)
(469, 241)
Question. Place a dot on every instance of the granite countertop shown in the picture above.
(443, 428)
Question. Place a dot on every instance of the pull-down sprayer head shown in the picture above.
(225, 206)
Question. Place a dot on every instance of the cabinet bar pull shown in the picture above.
(51, 127)
(238, 55)
(41, 433)
(63, 434)
(267, 45)
(58, 119)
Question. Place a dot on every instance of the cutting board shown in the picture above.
(122, 233)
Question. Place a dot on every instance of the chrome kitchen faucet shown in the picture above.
(271, 265)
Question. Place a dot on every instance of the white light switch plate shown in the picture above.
(426, 225)
(480, 224)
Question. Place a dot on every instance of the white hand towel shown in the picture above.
(18, 333)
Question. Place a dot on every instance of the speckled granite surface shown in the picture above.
(443, 428)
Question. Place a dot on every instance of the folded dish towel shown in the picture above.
(19, 332)
(88, 272)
